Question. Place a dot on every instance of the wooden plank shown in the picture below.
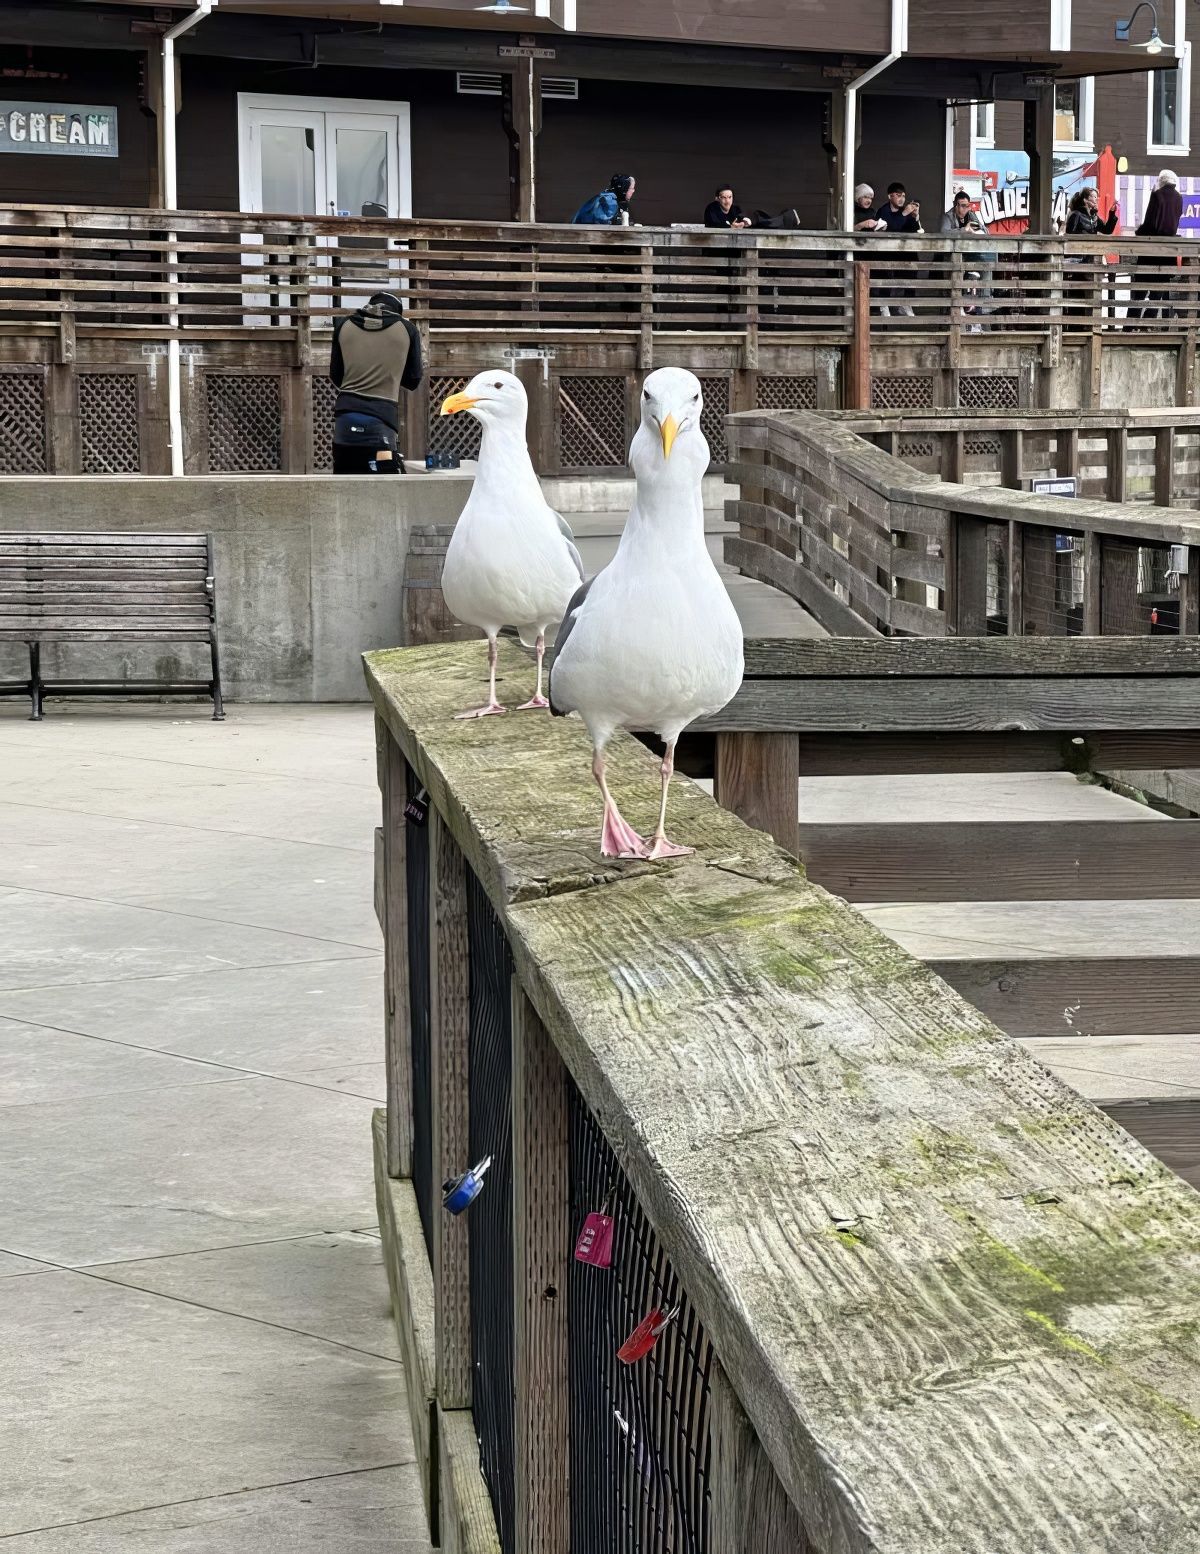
(449, 1014)
(1060, 860)
(966, 577)
(1153, 995)
(1168, 1128)
(541, 1269)
(397, 1005)
(410, 1283)
(768, 566)
(993, 657)
(1164, 466)
(755, 777)
(468, 1524)
(1181, 788)
(1065, 704)
(749, 1510)
(840, 755)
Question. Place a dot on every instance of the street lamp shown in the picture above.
(1154, 44)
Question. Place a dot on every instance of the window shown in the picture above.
(1168, 126)
(1073, 115)
(983, 124)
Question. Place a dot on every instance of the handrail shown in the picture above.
(891, 1223)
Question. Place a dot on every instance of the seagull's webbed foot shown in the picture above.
(490, 710)
(493, 706)
(618, 839)
(660, 847)
(534, 704)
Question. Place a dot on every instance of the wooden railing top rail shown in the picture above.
(955, 1300)
(948, 419)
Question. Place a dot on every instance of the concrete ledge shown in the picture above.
(410, 1280)
(467, 1523)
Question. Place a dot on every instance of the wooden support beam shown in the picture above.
(522, 110)
(1039, 144)
(1016, 579)
(1118, 463)
(851, 755)
(1155, 996)
(541, 1263)
(750, 1513)
(1060, 860)
(1164, 465)
(397, 1005)
(966, 576)
(449, 1016)
(756, 777)
(858, 389)
(1093, 588)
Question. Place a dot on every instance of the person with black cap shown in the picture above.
(376, 353)
(611, 207)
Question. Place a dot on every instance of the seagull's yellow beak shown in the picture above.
(670, 430)
(453, 403)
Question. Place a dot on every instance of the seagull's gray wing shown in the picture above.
(568, 534)
(560, 641)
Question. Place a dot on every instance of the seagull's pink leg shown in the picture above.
(493, 705)
(537, 701)
(618, 839)
(659, 846)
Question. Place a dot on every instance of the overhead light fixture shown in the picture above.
(1153, 44)
(502, 8)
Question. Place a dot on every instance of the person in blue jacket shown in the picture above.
(610, 209)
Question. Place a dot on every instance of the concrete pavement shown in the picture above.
(196, 1351)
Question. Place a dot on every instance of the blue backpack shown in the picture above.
(599, 211)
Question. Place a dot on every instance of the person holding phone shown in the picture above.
(900, 215)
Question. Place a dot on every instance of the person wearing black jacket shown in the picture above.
(1163, 210)
(722, 212)
(376, 353)
(1083, 220)
(901, 215)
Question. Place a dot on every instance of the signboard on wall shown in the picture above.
(57, 129)
(1004, 203)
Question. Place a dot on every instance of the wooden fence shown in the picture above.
(768, 320)
(878, 1224)
(873, 546)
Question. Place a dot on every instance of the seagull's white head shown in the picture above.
(496, 398)
(670, 429)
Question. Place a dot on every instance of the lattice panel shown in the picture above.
(591, 423)
(775, 393)
(108, 424)
(324, 392)
(457, 434)
(712, 418)
(915, 447)
(913, 392)
(988, 391)
(244, 422)
(981, 444)
(22, 423)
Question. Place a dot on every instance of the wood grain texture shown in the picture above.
(449, 1016)
(1056, 996)
(1181, 788)
(397, 1004)
(756, 776)
(929, 1268)
(834, 755)
(1169, 1128)
(468, 1525)
(970, 657)
(749, 1510)
(1061, 860)
(410, 1283)
(541, 1260)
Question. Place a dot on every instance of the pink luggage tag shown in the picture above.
(645, 1335)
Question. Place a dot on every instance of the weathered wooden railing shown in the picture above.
(904, 1254)
(768, 319)
(874, 546)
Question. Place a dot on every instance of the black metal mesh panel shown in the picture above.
(417, 862)
(640, 1436)
(1140, 597)
(997, 579)
(491, 1214)
(1052, 583)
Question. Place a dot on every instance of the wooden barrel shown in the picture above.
(426, 618)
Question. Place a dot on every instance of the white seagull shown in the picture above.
(653, 641)
(511, 560)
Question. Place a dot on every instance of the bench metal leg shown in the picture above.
(218, 703)
(36, 688)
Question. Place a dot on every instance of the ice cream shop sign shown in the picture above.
(57, 129)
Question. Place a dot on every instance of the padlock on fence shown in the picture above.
(646, 1334)
(417, 808)
(595, 1243)
(461, 1191)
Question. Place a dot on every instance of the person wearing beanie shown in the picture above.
(864, 218)
(376, 352)
(1163, 210)
(609, 208)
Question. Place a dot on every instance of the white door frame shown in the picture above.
(335, 106)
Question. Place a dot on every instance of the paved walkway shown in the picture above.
(195, 1347)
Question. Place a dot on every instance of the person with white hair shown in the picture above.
(863, 218)
(1163, 210)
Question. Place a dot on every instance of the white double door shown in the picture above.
(314, 156)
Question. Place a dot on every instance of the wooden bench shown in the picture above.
(121, 588)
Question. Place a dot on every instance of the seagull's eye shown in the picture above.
(646, 395)
(497, 385)
(695, 399)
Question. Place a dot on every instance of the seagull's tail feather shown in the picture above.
(560, 641)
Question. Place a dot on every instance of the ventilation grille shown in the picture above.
(244, 418)
(324, 393)
(22, 424)
(908, 393)
(456, 434)
(778, 393)
(592, 422)
(108, 423)
(490, 83)
(988, 391)
(712, 417)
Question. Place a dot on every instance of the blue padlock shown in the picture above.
(461, 1191)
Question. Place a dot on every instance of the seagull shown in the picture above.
(653, 640)
(512, 559)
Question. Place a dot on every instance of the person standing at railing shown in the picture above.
(863, 218)
(1163, 211)
(610, 208)
(1083, 220)
(962, 218)
(376, 354)
(900, 215)
(722, 212)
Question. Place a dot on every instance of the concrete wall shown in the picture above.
(309, 571)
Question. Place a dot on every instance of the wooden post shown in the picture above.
(954, 333)
(1039, 144)
(858, 390)
(534, 373)
(1093, 596)
(646, 310)
(1012, 453)
(966, 576)
(1066, 458)
(541, 1263)
(749, 259)
(756, 777)
(1016, 578)
(523, 122)
(750, 1510)
(397, 1007)
(1120, 612)
(1189, 595)
(1164, 465)
(1118, 463)
(449, 1017)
